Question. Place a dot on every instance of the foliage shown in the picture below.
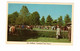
(34, 19)
(23, 16)
(49, 20)
(54, 22)
(24, 11)
(43, 21)
(12, 17)
(27, 18)
(21, 20)
(67, 19)
(60, 21)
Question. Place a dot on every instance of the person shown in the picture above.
(52, 27)
(19, 26)
(31, 27)
(10, 27)
(22, 26)
(69, 32)
(13, 29)
(48, 27)
(58, 33)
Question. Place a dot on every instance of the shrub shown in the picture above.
(24, 34)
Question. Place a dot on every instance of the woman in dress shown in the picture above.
(58, 33)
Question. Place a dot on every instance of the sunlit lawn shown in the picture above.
(37, 29)
(42, 29)
(44, 39)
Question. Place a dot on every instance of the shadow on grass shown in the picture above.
(22, 35)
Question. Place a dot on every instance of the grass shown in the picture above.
(37, 29)
(43, 29)
(44, 39)
(37, 36)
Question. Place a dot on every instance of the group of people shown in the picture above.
(42, 27)
(12, 28)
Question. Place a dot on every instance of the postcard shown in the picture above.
(40, 23)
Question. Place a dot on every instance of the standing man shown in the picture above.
(69, 32)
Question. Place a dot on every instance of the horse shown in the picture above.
(29, 27)
(12, 29)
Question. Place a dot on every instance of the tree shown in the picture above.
(12, 17)
(24, 11)
(49, 20)
(60, 21)
(15, 14)
(35, 18)
(67, 19)
(19, 20)
(54, 22)
(30, 20)
(43, 21)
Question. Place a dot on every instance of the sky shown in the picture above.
(54, 10)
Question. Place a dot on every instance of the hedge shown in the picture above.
(24, 34)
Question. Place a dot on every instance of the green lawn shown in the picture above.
(44, 39)
(37, 29)
(43, 29)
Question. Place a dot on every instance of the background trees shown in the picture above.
(34, 18)
(67, 19)
(24, 11)
(54, 23)
(60, 21)
(42, 20)
(49, 20)
(19, 20)
(12, 17)
(27, 18)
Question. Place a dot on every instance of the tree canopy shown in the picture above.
(67, 19)
(24, 11)
(60, 21)
(42, 20)
(35, 18)
(12, 17)
(49, 20)
(24, 17)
